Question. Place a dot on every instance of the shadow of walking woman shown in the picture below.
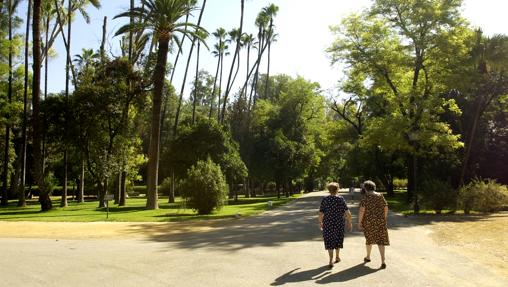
(348, 274)
(306, 275)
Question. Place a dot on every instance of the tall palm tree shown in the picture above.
(44, 198)
(237, 50)
(162, 19)
(196, 92)
(234, 35)
(220, 34)
(248, 41)
(271, 12)
(25, 107)
(201, 37)
(262, 21)
(11, 8)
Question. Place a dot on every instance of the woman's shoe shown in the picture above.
(366, 260)
(337, 260)
(383, 266)
(330, 266)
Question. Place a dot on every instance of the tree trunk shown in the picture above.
(44, 198)
(237, 50)
(131, 18)
(153, 151)
(118, 189)
(81, 189)
(63, 202)
(103, 190)
(171, 198)
(46, 62)
(103, 40)
(267, 84)
(5, 175)
(196, 92)
(24, 132)
(123, 189)
(177, 116)
(467, 153)
(213, 89)
(221, 56)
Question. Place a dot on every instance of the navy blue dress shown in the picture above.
(333, 208)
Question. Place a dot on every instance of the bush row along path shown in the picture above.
(279, 247)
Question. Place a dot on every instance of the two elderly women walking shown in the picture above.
(335, 218)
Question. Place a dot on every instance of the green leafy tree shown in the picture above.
(401, 49)
(106, 98)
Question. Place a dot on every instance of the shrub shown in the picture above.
(400, 183)
(205, 187)
(483, 196)
(438, 195)
(165, 187)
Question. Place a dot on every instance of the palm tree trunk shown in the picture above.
(103, 41)
(153, 150)
(194, 101)
(221, 56)
(467, 153)
(46, 49)
(44, 198)
(63, 202)
(5, 175)
(123, 188)
(130, 32)
(81, 189)
(267, 84)
(237, 50)
(177, 116)
(25, 106)
(213, 89)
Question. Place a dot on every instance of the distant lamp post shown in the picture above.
(413, 140)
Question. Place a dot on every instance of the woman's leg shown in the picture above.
(382, 252)
(337, 255)
(369, 249)
(330, 254)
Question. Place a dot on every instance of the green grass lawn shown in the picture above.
(134, 211)
(398, 203)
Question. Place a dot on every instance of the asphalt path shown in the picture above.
(279, 247)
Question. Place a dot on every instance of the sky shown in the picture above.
(303, 30)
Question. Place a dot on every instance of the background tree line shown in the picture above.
(424, 98)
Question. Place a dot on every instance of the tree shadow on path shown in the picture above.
(293, 222)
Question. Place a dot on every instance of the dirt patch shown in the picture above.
(481, 238)
(100, 230)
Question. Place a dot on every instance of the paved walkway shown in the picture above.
(279, 247)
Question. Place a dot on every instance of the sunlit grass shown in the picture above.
(134, 211)
(399, 204)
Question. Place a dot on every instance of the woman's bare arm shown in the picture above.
(349, 220)
(360, 217)
(321, 215)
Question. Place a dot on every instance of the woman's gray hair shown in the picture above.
(333, 187)
(369, 185)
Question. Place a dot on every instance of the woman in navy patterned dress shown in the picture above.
(333, 213)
